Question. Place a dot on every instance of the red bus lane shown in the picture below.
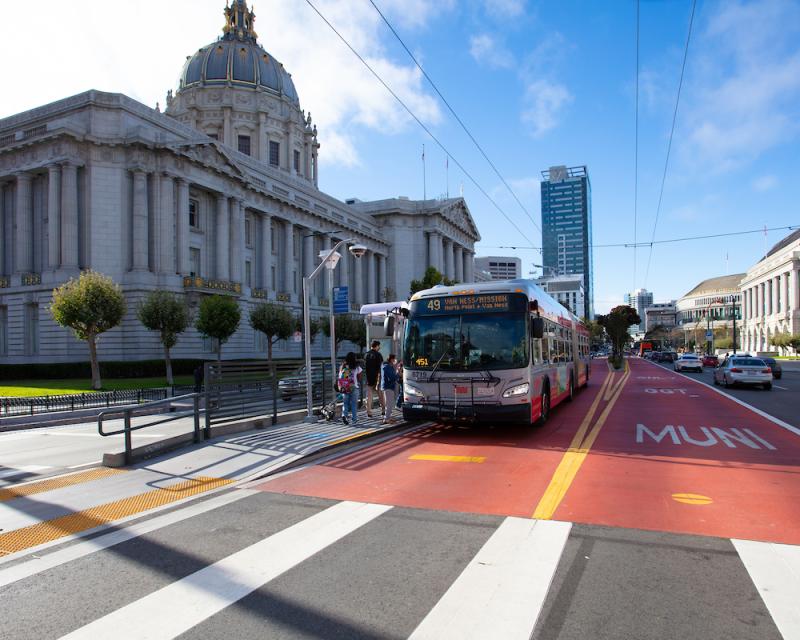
(479, 469)
(676, 456)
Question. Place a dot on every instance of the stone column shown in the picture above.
(450, 266)
(469, 266)
(459, 264)
(23, 239)
(237, 240)
(166, 226)
(382, 277)
(358, 289)
(53, 216)
(139, 237)
(69, 216)
(322, 280)
(372, 279)
(307, 159)
(223, 238)
(315, 164)
(290, 149)
(227, 134)
(792, 284)
(288, 259)
(183, 231)
(308, 252)
(434, 245)
(265, 252)
(344, 271)
(263, 145)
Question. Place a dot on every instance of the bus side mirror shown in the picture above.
(388, 326)
(537, 328)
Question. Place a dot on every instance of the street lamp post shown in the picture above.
(329, 261)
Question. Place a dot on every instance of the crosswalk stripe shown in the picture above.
(79, 550)
(501, 591)
(775, 571)
(170, 611)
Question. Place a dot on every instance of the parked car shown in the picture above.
(737, 370)
(669, 356)
(710, 361)
(689, 361)
(773, 364)
(294, 384)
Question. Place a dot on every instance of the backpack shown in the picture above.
(345, 382)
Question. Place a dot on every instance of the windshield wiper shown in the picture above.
(436, 366)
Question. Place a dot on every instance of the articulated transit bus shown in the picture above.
(494, 352)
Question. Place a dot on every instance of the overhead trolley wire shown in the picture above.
(636, 154)
(455, 115)
(418, 121)
(669, 144)
(634, 245)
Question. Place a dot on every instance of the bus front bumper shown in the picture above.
(490, 413)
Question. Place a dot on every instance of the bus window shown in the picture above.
(536, 350)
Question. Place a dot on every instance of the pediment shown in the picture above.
(210, 154)
(458, 213)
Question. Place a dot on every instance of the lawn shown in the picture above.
(26, 388)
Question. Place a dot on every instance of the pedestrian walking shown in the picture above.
(389, 387)
(347, 385)
(373, 361)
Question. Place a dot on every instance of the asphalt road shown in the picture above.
(782, 401)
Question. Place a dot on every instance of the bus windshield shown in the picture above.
(467, 342)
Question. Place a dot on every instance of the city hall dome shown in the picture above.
(236, 59)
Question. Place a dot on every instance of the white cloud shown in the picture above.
(746, 88)
(486, 50)
(505, 8)
(544, 101)
(765, 183)
(342, 95)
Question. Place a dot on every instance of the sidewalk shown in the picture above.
(51, 511)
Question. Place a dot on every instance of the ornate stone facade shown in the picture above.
(218, 195)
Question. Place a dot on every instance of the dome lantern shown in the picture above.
(239, 22)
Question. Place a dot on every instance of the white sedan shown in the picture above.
(689, 361)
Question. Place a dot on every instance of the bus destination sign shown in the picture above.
(475, 303)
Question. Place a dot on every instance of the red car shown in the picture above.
(710, 361)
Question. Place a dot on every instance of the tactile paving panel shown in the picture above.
(9, 493)
(73, 523)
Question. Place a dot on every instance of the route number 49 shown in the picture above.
(434, 305)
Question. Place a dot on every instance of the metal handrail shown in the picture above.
(127, 413)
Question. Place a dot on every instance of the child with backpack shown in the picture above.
(347, 385)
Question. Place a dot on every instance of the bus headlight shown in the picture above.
(519, 390)
(411, 391)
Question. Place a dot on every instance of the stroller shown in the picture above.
(328, 411)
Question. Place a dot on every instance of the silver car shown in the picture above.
(743, 371)
(689, 361)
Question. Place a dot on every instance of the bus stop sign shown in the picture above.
(341, 301)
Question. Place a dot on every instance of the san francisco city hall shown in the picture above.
(218, 194)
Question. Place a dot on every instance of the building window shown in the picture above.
(248, 232)
(274, 153)
(297, 161)
(213, 136)
(194, 214)
(209, 344)
(194, 259)
(3, 331)
(31, 329)
(244, 144)
(248, 273)
(274, 282)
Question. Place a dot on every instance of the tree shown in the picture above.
(218, 318)
(596, 332)
(274, 321)
(168, 314)
(347, 327)
(90, 305)
(616, 324)
(431, 278)
(314, 326)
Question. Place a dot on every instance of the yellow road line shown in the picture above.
(437, 458)
(573, 459)
(353, 437)
(9, 493)
(73, 523)
(581, 432)
(691, 498)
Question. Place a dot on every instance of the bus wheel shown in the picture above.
(571, 390)
(545, 406)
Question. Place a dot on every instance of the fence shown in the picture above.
(10, 407)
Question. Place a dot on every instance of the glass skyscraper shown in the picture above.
(567, 227)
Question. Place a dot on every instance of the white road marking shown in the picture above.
(22, 470)
(763, 414)
(779, 387)
(86, 464)
(97, 435)
(178, 607)
(501, 591)
(775, 571)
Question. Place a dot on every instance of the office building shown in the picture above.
(639, 300)
(567, 226)
(568, 290)
(660, 314)
(500, 267)
(711, 305)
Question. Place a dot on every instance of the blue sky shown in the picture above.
(538, 84)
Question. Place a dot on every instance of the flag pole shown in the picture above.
(424, 176)
(447, 175)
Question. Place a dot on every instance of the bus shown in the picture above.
(497, 352)
(644, 347)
